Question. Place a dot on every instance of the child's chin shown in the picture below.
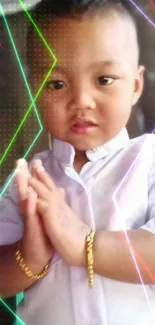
(86, 145)
(83, 143)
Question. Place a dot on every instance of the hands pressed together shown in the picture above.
(50, 225)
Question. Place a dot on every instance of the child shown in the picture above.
(94, 177)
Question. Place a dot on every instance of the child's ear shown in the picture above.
(139, 84)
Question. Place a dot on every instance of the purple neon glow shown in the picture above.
(127, 174)
(143, 13)
(145, 145)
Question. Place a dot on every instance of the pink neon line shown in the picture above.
(134, 259)
(152, 4)
(119, 186)
(125, 233)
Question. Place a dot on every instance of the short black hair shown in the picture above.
(65, 8)
(76, 9)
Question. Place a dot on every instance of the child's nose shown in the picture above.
(82, 100)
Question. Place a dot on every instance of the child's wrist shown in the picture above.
(30, 272)
(33, 262)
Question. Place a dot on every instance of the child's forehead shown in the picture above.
(104, 38)
(80, 28)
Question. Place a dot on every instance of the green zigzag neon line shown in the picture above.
(28, 88)
(12, 312)
(29, 109)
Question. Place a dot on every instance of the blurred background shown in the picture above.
(14, 98)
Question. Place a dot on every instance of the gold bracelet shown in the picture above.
(90, 260)
(27, 271)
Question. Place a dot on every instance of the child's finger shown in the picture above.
(22, 207)
(31, 202)
(46, 179)
(36, 164)
(42, 190)
(21, 163)
(31, 220)
(22, 176)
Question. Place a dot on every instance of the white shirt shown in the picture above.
(114, 191)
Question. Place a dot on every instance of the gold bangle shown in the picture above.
(27, 271)
(90, 260)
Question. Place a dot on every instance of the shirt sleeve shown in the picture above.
(150, 224)
(11, 222)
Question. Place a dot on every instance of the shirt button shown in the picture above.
(95, 150)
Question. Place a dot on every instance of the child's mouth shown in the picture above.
(83, 126)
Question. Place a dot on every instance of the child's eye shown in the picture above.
(103, 81)
(55, 84)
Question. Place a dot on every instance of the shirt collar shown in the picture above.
(65, 152)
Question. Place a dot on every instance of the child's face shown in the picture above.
(95, 79)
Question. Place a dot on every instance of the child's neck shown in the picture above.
(80, 160)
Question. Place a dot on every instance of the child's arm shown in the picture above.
(113, 258)
(112, 254)
(12, 278)
(35, 246)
